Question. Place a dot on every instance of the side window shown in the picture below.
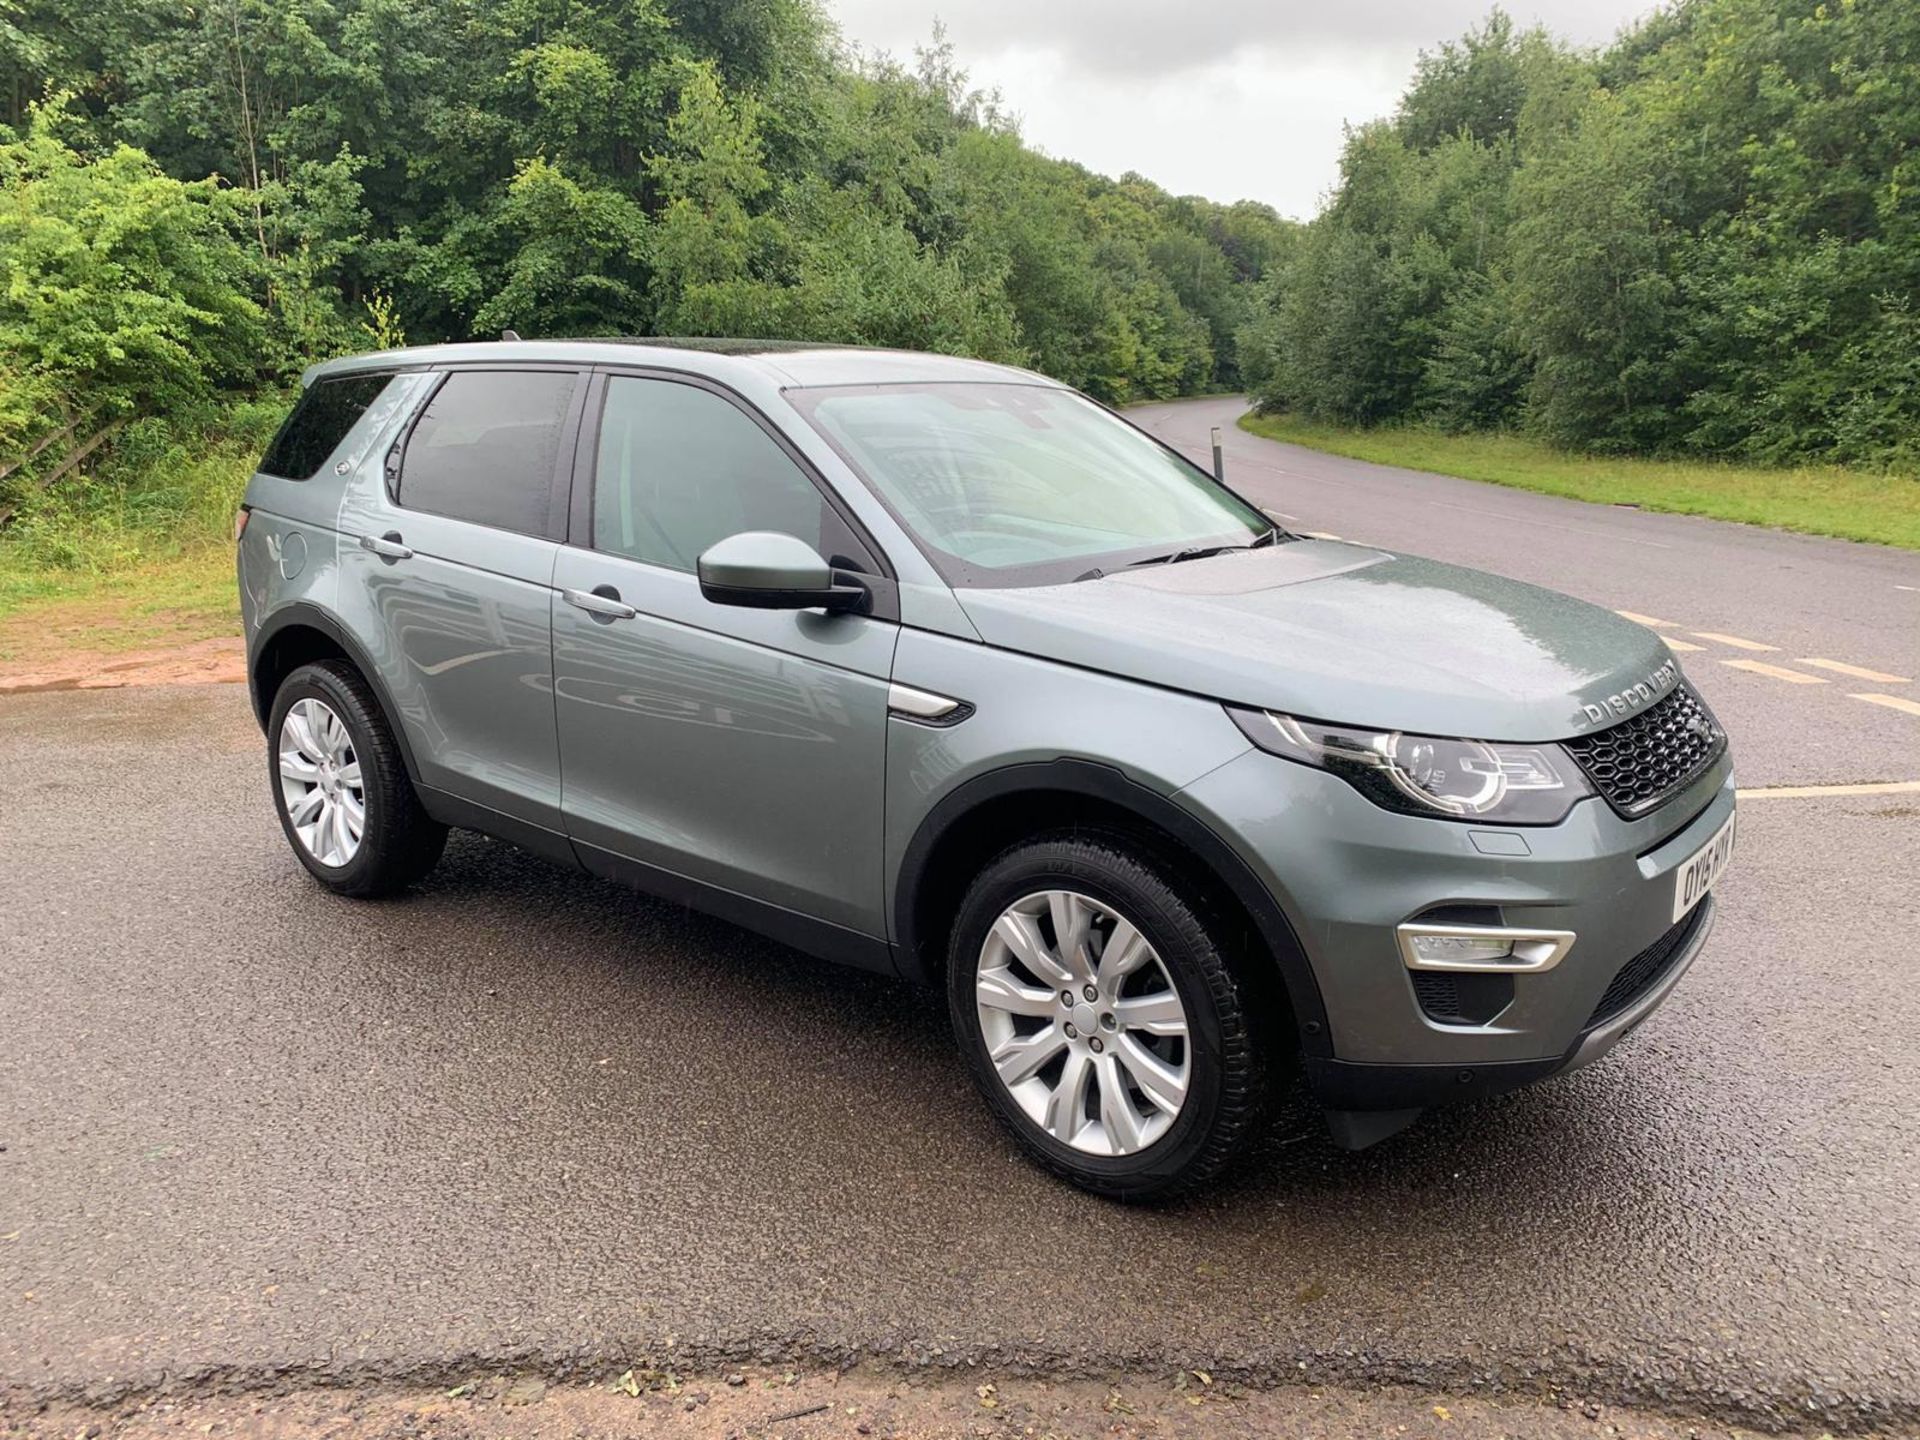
(320, 421)
(485, 446)
(679, 468)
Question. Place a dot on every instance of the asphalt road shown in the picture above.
(253, 1131)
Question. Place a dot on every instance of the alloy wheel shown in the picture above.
(1082, 1023)
(320, 782)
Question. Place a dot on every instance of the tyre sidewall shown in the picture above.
(314, 682)
(1175, 932)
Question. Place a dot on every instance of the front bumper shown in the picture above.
(1358, 1086)
(1348, 873)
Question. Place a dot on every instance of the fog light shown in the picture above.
(1482, 947)
(1442, 949)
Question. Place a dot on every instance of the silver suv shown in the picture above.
(941, 669)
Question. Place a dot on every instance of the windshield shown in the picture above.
(1024, 484)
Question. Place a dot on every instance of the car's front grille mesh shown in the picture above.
(1642, 762)
(1644, 971)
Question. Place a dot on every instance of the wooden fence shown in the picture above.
(67, 463)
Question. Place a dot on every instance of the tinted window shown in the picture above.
(680, 467)
(326, 412)
(484, 448)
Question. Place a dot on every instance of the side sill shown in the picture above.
(467, 815)
(819, 938)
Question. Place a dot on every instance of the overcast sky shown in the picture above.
(1231, 99)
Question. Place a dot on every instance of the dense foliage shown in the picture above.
(200, 199)
(1704, 239)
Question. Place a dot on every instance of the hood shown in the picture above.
(1348, 635)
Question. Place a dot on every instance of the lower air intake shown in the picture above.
(1647, 969)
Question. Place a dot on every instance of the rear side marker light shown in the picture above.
(240, 523)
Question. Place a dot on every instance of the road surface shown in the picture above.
(253, 1132)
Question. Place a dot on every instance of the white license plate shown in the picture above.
(1696, 876)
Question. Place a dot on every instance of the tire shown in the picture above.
(1141, 1151)
(398, 842)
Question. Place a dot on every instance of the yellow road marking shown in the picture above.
(1318, 535)
(1774, 672)
(1856, 672)
(1892, 702)
(1733, 640)
(1680, 647)
(1803, 792)
(1646, 620)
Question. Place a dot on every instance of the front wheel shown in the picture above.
(1102, 1019)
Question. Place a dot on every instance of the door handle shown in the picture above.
(603, 602)
(387, 546)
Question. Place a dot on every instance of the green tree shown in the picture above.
(1476, 87)
(122, 291)
(576, 258)
(1706, 237)
(463, 166)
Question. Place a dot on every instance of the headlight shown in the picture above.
(1427, 775)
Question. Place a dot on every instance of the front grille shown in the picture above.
(1640, 763)
(1645, 970)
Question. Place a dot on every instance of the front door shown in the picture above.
(740, 749)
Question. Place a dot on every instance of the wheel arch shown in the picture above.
(300, 634)
(986, 814)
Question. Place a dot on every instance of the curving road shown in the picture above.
(252, 1131)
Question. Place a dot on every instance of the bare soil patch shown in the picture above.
(750, 1404)
(219, 660)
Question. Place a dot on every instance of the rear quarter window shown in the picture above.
(327, 410)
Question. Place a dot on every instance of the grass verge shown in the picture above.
(1816, 500)
(155, 604)
(136, 556)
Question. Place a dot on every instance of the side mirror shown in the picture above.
(765, 570)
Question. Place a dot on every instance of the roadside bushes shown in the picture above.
(166, 488)
(1705, 239)
(122, 291)
(210, 198)
(608, 166)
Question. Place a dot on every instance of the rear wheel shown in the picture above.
(1102, 1018)
(341, 788)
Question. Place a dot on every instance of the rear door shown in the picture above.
(452, 559)
(741, 749)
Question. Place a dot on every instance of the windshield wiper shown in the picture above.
(1203, 552)
(1197, 552)
(1097, 572)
